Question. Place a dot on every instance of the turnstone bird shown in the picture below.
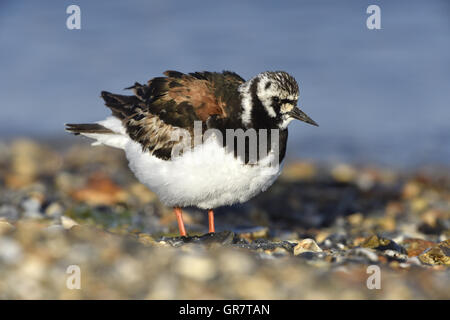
(159, 119)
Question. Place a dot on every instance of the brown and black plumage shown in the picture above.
(176, 100)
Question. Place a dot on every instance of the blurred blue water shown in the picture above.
(380, 96)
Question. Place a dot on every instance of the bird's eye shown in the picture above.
(276, 99)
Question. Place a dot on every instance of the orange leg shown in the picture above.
(211, 221)
(179, 215)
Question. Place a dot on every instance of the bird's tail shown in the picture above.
(108, 132)
(81, 128)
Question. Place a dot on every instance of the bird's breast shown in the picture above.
(206, 176)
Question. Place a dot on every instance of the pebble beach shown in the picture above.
(317, 233)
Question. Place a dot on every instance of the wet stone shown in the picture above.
(224, 238)
(382, 244)
(263, 244)
(229, 238)
(437, 255)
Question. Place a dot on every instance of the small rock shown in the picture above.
(419, 204)
(224, 238)
(54, 210)
(366, 180)
(415, 247)
(306, 245)
(382, 244)
(100, 190)
(433, 222)
(437, 255)
(355, 219)
(253, 233)
(358, 241)
(68, 223)
(335, 241)
(343, 173)
(394, 208)
(5, 227)
(321, 236)
(387, 223)
(10, 251)
(24, 167)
(32, 207)
(395, 255)
(195, 267)
(146, 239)
(278, 252)
(430, 217)
(9, 212)
(411, 190)
(236, 262)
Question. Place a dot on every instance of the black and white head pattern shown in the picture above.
(270, 95)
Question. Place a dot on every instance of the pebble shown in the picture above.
(419, 204)
(355, 219)
(31, 208)
(411, 190)
(68, 223)
(252, 233)
(146, 239)
(306, 245)
(9, 212)
(415, 247)
(10, 251)
(343, 173)
(236, 262)
(5, 227)
(54, 210)
(100, 190)
(195, 267)
(437, 255)
(382, 244)
(395, 255)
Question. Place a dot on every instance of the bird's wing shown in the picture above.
(172, 102)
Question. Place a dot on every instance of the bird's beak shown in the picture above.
(298, 114)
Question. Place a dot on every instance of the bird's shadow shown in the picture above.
(303, 205)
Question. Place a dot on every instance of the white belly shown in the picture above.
(206, 177)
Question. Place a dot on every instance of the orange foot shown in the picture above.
(179, 215)
(211, 221)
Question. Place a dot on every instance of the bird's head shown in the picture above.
(270, 100)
